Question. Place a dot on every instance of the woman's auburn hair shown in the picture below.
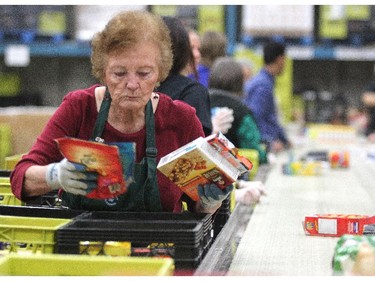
(124, 31)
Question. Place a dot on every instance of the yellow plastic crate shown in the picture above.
(9, 199)
(11, 161)
(6, 195)
(253, 156)
(76, 265)
(5, 143)
(10, 84)
(4, 182)
(34, 234)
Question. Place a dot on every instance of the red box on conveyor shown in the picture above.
(336, 224)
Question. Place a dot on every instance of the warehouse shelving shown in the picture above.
(48, 49)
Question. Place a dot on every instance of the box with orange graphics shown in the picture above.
(227, 149)
(336, 224)
(197, 163)
(113, 163)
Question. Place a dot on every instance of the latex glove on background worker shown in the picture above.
(249, 192)
(222, 119)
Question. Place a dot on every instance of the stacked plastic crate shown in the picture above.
(222, 216)
(32, 230)
(185, 237)
(6, 195)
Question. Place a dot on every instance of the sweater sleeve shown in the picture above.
(64, 122)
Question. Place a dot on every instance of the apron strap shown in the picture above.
(152, 200)
(102, 118)
(151, 193)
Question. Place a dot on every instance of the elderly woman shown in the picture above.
(129, 57)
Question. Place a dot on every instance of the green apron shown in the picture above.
(143, 193)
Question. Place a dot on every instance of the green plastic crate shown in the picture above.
(29, 234)
(76, 265)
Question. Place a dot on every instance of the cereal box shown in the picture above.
(113, 163)
(336, 224)
(226, 148)
(197, 163)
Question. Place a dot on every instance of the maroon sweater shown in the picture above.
(175, 125)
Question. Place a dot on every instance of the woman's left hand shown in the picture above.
(211, 196)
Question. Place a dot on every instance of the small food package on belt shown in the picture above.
(354, 255)
(336, 224)
(302, 168)
(339, 159)
(316, 155)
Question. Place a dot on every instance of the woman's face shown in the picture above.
(131, 75)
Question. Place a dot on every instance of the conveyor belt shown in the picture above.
(219, 257)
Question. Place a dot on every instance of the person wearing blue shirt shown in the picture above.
(259, 97)
(212, 46)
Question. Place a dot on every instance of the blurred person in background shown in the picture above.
(226, 90)
(368, 100)
(180, 87)
(130, 56)
(213, 45)
(247, 68)
(177, 85)
(195, 44)
(260, 98)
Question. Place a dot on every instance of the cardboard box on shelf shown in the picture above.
(26, 122)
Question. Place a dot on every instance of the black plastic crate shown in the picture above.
(219, 222)
(206, 219)
(185, 237)
(5, 173)
(225, 206)
(188, 263)
(137, 249)
(187, 233)
(49, 200)
(44, 212)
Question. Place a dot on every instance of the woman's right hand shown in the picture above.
(71, 177)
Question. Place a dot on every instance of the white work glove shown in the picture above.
(210, 195)
(222, 119)
(249, 192)
(71, 177)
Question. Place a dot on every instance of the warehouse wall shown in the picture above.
(55, 77)
(347, 78)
